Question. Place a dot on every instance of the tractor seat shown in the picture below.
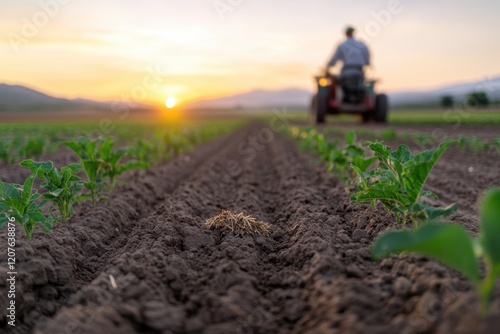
(353, 82)
(353, 87)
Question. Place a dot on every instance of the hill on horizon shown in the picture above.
(297, 97)
(17, 97)
(21, 98)
(458, 91)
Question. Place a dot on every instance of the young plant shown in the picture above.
(34, 147)
(21, 202)
(146, 151)
(312, 140)
(422, 139)
(113, 167)
(62, 186)
(339, 159)
(352, 154)
(496, 143)
(176, 142)
(461, 141)
(93, 166)
(478, 145)
(9, 149)
(398, 182)
(440, 240)
(389, 134)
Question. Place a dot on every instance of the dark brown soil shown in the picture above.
(142, 261)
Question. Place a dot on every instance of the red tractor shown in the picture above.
(348, 95)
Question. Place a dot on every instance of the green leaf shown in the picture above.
(76, 147)
(27, 189)
(402, 154)
(382, 152)
(54, 177)
(435, 240)
(350, 137)
(429, 194)
(106, 147)
(92, 168)
(4, 219)
(39, 169)
(4, 206)
(57, 192)
(132, 165)
(29, 164)
(433, 213)
(10, 190)
(84, 197)
(363, 163)
(75, 168)
(416, 170)
(490, 226)
(39, 218)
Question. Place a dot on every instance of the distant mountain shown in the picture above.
(21, 96)
(459, 91)
(291, 97)
(15, 98)
(301, 97)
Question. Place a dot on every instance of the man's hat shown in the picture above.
(349, 30)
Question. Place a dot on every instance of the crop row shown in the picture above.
(424, 139)
(100, 164)
(395, 179)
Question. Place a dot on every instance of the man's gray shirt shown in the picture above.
(351, 53)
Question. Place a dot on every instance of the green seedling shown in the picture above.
(146, 151)
(113, 167)
(34, 147)
(311, 140)
(496, 143)
(93, 166)
(9, 149)
(478, 145)
(398, 182)
(367, 133)
(389, 134)
(474, 143)
(176, 143)
(422, 139)
(440, 240)
(63, 186)
(338, 159)
(352, 154)
(406, 136)
(21, 202)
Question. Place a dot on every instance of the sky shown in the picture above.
(147, 51)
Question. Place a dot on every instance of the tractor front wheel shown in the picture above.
(318, 110)
(381, 108)
(366, 117)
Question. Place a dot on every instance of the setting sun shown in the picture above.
(170, 102)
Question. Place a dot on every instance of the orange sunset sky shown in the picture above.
(103, 49)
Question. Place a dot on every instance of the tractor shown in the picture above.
(350, 94)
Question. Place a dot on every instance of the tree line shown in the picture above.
(476, 99)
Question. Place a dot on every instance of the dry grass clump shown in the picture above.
(237, 223)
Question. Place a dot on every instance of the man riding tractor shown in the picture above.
(349, 92)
